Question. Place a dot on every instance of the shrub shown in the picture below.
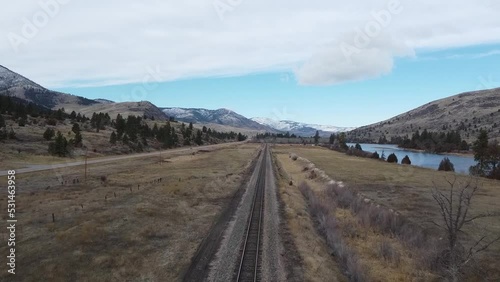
(446, 165)
(294, 157)
(388, 253)
(321, 210)
(49, 134)
(375, 156)
(392, 158)
(406, 160)
(52, 121)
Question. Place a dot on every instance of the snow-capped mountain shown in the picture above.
(10, 79)
(221, 116)
(301, 129)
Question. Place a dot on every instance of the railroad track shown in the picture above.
(249, 268)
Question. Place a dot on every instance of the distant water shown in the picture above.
(421, 159)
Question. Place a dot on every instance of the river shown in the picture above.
(428, 160)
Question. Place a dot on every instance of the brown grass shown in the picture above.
(318, 264)
(148, 232)
(407, 190)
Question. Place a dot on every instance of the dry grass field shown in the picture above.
(405, 189)
(317, 263)
(129, 227)
(31, 148)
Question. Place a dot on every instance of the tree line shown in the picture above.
(434, 142)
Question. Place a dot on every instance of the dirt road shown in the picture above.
(34, 168)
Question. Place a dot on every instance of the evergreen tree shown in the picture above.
(332, 138)
(406, 160)
(120, 126)
(446, 165)
(358, 147)
(241, 137)
(113, 138)
(392, 158)
(316, 138)
(198, 139)
(480, 148)
(175, 138)
(77, 142)
(2, 121)
(60, 146)
(75, 128)
(49, 134)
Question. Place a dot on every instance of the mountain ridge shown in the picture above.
(221, 116)
(465, 112)
(300, 128)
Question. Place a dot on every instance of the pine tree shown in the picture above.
(75, 128)
(198, 140)
(78, 139)
(49, 134)
(392, 158)
(446, 165)
(406, 160)
(113, 138)
(332, 138)
(480, 148)
(316, 138)
(60, 145)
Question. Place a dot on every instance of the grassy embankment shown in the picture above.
(402, 188)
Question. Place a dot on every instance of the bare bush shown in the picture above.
(321, 209)
(387, 252)
(312, 174)
(455, 206)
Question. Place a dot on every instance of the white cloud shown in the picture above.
(105, 42)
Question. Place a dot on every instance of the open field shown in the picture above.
(30, 148)
(407, 190)
(134, 220)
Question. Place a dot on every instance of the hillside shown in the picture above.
(15, 85)
(221, 117)
(466, 112)
(126, 108)
(301, 129)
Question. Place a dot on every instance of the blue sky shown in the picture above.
(334, 62)
(413, 82)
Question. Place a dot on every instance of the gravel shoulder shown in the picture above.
(226, 260)
(273, 252)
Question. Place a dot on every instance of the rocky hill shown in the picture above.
(466, 112)
(16, 85)
(223, 117)
(301, 129)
